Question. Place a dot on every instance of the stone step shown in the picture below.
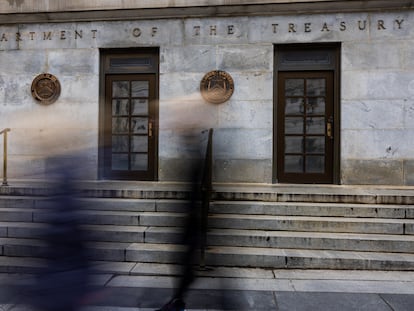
(22, 247)
(7, 201)
(312, 209)
(259, 257)
(226, 221)
(16, 214)
(276, 257)
(288, 239)
(134, 205)
(314, 193)
(227, 237)
(261, 222)
(312, 240)
(21, 265)
(312, 224)
(115, 204)
(96, 217)
(161, 235)
(25, 230)
(99, 209)
(228, 192)
(16, 247)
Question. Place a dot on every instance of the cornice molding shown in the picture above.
(266, 9)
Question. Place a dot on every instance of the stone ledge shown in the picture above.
(279, 8)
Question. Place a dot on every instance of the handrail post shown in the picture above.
(4, 132)
(206, 190)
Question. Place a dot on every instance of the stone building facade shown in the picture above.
(323, 91)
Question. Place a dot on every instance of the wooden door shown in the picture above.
(130, 126)
(305, 133)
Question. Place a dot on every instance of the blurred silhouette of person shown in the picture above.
(62, 284)
(195, 226)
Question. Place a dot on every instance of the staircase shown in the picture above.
(266, 226)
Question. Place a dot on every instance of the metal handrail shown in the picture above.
(206, 191)
(4, 132)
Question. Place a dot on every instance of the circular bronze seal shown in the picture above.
(46, 88)
(217, 87)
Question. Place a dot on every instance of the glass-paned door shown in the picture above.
(130, 126)
(305, 133)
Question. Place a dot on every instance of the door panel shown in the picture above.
(305, 141)
(130, 115)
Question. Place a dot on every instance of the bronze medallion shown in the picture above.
(46, 88)
(217, 87)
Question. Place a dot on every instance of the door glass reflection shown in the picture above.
(140, 88)
(139, 143)
(139, 125)
(120, 107)
(293, 164)
(294, 87)
(120, 125)
(120, 144)
(294, 106)
(315, 164)
(294, 125)
(140, 107)
(293, 144)
(315, 144)
(120, 89)
(120, 162)
(315, 87)
(315, 125)
(139, 162)
(315, 105)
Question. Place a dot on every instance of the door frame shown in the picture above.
(331, 62)
(149, 65)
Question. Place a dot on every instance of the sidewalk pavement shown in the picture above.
(145, 287)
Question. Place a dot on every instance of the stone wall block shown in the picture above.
(372, 171)
(182, 143)
(177, 169)
(180, 86)
(409, 112)
(74, 62)
(358, 55)
(408, 52)
(377, 144)
(42, 167)
(26, 166)
(246, 114)
(252, 86)
(17, 62)
(79, 89)
(51, 141)
(240, 143)
(376, 85)
(373, 114)
(76, 116)
(231, 170)
(243, 170)
(15, 89)
(198, 58)
(409, 174)
(245, 58)
(188, 115)
(214, 31)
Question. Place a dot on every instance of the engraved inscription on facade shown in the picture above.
(48, 35)
(213, 30)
